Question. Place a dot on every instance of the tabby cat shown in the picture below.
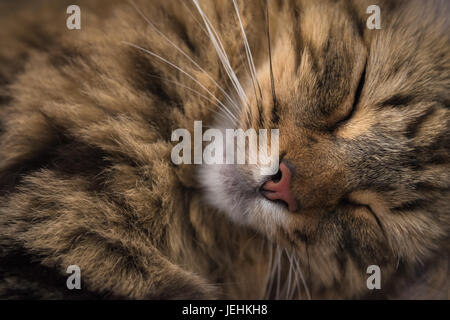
(86, 176)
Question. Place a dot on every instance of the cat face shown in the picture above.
(355, 178)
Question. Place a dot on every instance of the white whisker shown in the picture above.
(196, 92)
(277, 296)
(182, 52)
(273, 270)
(193, 17)
(289, 279)
(185, 73)
(248, 51)
(296, 277)
(222, 55)
(269, 270)
(303, 278)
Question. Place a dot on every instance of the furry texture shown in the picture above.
(85, 170)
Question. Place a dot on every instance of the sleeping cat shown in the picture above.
(86, 176)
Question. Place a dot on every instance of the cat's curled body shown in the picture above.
(86, 177)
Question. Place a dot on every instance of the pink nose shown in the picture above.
(279, 187)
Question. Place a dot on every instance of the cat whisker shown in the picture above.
(205, 32)
(248, 51)
(185, 73)
(269, 270)
(277, 296)
(308, 295)
(309, 265)
(193, 17)
(272, 80)
(152, 25)
(196, 92)
(296, 281)
(273, 269)
(247, 70)
(262, 254)
(289, 277)
(222, 55)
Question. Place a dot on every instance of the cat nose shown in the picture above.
(279, 187)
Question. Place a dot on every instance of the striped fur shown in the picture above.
(86, 178)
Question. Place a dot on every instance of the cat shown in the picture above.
(86, 178)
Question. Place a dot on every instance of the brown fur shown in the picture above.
(85, 170)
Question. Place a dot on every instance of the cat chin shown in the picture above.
(234, 190)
